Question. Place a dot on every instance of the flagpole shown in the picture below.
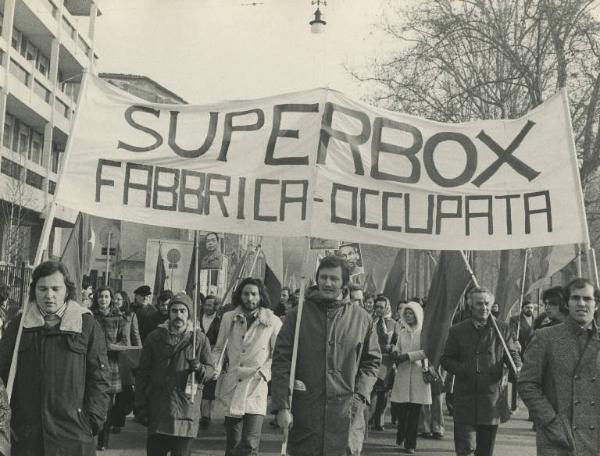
(194, 313)
(45, 234)
(522, 295)
(406, 275)
(579, 268)
(107, 258)
(593, 266)
(491, 317)
(295, 346)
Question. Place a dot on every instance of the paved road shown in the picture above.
(514, 438)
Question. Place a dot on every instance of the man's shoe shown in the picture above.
(437, 436)
(378, 428)
(425, 435)
(409, 450)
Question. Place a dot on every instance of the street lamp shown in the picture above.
(317, 25)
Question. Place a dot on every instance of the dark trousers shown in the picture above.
(123, 406)
(161, 445)
(381, 398)
(243, 435)
(483, 435)
(408, 423)
(104, 433)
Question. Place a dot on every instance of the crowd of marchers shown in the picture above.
(79, 365)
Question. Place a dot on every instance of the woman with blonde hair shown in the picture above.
(410, 391)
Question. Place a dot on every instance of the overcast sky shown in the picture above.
(208, 50)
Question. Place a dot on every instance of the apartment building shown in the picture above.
(43, 54)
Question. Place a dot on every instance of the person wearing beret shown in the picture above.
(144, 310)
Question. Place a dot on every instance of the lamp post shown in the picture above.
(317, 25)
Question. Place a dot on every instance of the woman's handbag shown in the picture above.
(430, 375)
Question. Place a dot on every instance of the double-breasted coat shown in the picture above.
(476, 358)
(338, 357)
(560, 385)
(243, 387)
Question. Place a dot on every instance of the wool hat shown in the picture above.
(144, 290)
(182, 298)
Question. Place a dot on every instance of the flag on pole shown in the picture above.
(272, 248)
(193, 274)
(378, 262)
(161, 275)
(395, 281)
(78, 250)
(449, 282)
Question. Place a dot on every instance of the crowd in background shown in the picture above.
(140, 354)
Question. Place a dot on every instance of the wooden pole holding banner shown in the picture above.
(45, 234)
(406, 292)
(491, 317)
(593, 265)
(107, 258)
(579, 268)
(195, 313)
(522, 294)
(295, 349)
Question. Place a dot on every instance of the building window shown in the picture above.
(37, 147)
(57, 151)
(31, 52)
(62, 108)
(43, 64)
(41, 91)
(19, 72)
(34, 179)
(9, 123)
(24, 136)
(10, 168)
(16, 39)
(51, 187)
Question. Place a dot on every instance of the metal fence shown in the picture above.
(17, 278)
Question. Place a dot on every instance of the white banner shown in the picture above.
(318, 163)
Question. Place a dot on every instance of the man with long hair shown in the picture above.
(246, 340)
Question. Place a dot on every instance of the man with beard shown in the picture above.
(162, 387)
(246, 339)
(337, 365)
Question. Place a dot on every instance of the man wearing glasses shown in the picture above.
(560, 377)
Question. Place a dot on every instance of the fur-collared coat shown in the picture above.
(243, 387)
(560, 385)
(60, 395)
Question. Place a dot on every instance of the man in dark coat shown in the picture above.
(474, 354)
(337, 365)
(209, 321)
(163, 383)
(60, 395)
(144, 310)
(559, 380)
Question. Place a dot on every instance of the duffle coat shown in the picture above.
(476, 358)
(60, 394)
(409, 386)
(338, 356)
(243, 388)
(161, 379)
(560, 385)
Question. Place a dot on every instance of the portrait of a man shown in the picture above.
(213, 258)
(351, 253)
